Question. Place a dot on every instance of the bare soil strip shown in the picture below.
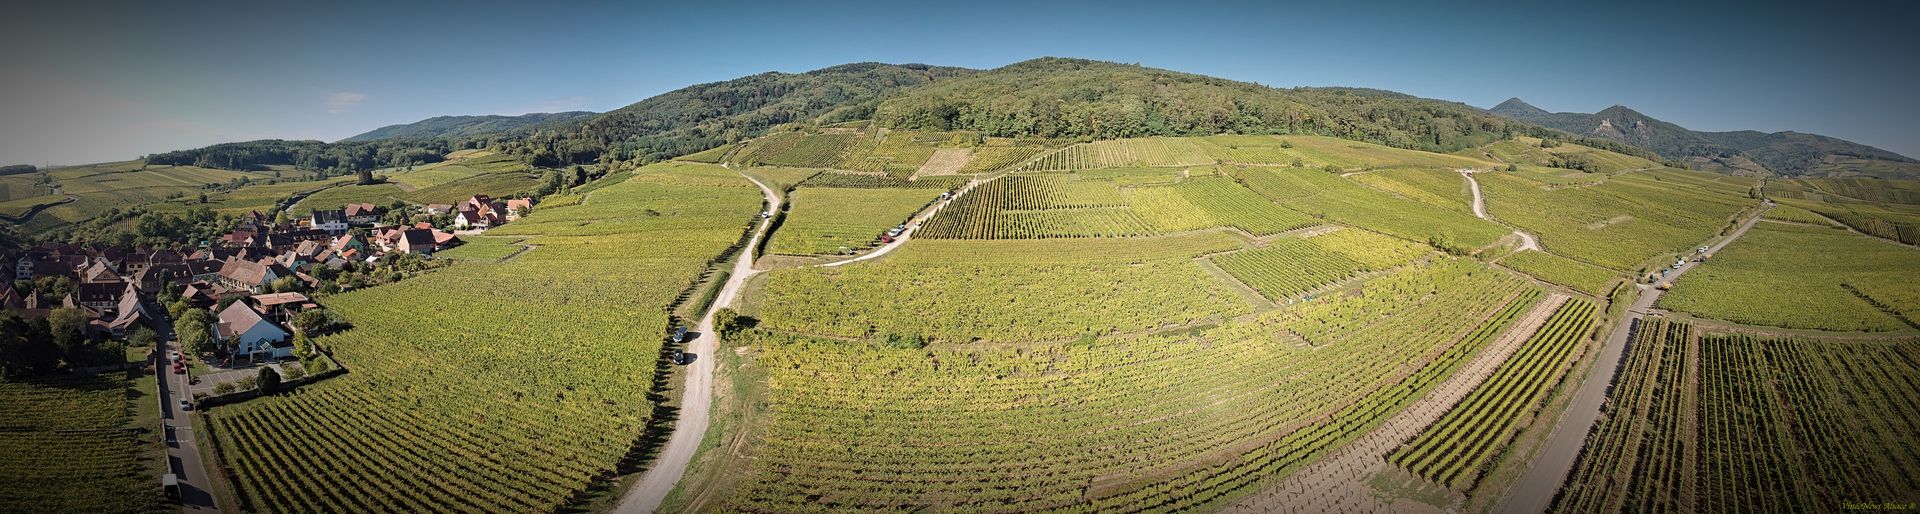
(945, 161)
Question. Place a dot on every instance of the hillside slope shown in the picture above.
(1785, 153)
(467, 126)
(1076, 98)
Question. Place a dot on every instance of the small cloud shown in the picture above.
(338, 102)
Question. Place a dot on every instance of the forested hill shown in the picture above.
(703, 116)
(469, 126)
(1784, 153)
(1076, 98)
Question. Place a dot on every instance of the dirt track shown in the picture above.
(1338, 483)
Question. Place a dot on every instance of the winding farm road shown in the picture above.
(912, 225)
(1527, 242)
(696, 403)
(1537, 487)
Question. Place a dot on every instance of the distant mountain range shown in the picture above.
(463, 126)
(1746, 151)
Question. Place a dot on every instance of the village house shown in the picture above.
(414, 241)
(518, 207)
(246, 275)
(362, 214)
(436, 209)
(332, 221)
(248, 334)
(101, 297)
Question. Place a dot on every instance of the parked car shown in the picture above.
(185, 405)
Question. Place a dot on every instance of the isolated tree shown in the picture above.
(269, 380)
(69, 329)
(25, 347)
(313, 322)
(192, 328)
(302, 346)
(143, 336)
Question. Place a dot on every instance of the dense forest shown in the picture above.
(471, 126)
(324, 158)
(1081, 99)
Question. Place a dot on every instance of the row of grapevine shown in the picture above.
(1743, 423)
(1101, 425)
(482, 387)
(1291, 267)
(1458, 448)
(66, 445)
(868, 180)
(1579, 276)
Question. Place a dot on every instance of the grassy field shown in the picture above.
(1096, 423)
(512, 386)
(1706, 422)
(1619, 224)
(100, 187)
(912, 292)
(1527, 150)
(1838, 281)
(1325, 195)
(825, 220)
(75, 444)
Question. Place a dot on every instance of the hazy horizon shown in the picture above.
(148, 78)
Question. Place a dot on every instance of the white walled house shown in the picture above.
(248, 334)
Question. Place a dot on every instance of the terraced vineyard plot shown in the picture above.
(1038, 206)
(898, 153)
(1527, 150)
(798, 149)
(67, 445)
(870, 180)
(1232, 205)
(473, 165)
(710, 156)
(1108, 425)
(1619, 224)
(1321, 194)
(1456, 450)
(825, 220)
(1438, 187)
(1737, 423)
(1289, 267)
(1321, 151)
(1827, 270)
(1797, 215)
(1576, 275)
(483, 248)
(471, 390)
(911, 294)
(1123, 153)
(995, 158)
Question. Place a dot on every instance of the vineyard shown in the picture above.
(1576, 275)
(1527, 150)
(948, 293)
(1106, 424)
(825, 220)
(1093, 205)
(1290, 267)
(1456, 450)
(68, 444)
(1438, 187)
(486, 387)
(1839, 281)
(1123, 153)
(1738, 423)
(872, 180)
(1322, 194)
(1619, 224)
(798, 149)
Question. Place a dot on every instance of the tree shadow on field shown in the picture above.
(645, 448)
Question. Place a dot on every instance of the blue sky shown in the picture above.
(97, 81)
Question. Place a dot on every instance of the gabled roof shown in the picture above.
(238, 318)
(329, 216)
(362, 209)
(245, 272)
(99, 292)
(416, 238)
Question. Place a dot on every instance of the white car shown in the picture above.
(185, 405)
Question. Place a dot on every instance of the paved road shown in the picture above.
(697, 401)
(1527, 242)
(183, 451)
(1534, 492)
